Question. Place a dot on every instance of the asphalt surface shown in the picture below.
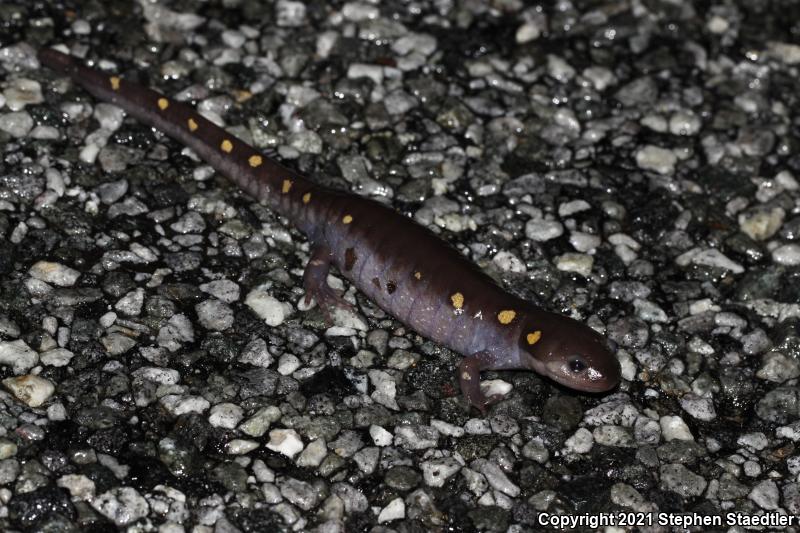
(633, 164)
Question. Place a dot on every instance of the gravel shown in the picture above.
(632, 165)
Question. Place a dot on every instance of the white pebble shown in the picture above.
(698, 407)
(570, 208)
(788, 255)
(395, 510)
(214, 315)
(180, 405)
(225, 415)
(16, 124)
(574, 262)
(21, 92)
(380, 436)
(709, 257)
(540, 230)
(56, 357)
(684, 123)
(285, 441)
(580, 442)
(287, 364)
(273, 311)
(241, 446)
(54, 273)
(31, 390)
(674, 428)
(18, 355)
(761, 224)
(657, 159)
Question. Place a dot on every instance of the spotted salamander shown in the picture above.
(400, 265)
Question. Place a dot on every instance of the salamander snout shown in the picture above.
(575, 356)
(588, 370)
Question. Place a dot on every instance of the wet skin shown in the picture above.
(399, 264)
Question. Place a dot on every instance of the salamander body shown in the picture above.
(399, 264)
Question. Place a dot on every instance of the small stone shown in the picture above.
(18, 355)
(778, 368)
(416, 437)
(273, 311)
(698, 407)
(16, 124)
(761, 224)
(787, 255)
(179, 405)
(7, 449)
(684, 123)
(289, 13)
(314, 454)
(580, 442)
(54, 273)
(79, 486)
(540, 230)
(674, 428)
(31, 390)
(122, 505)
(437, 471)
(498, 479)
(575, 262)
(568, 209)
(649, 311)
(131, 304)
(380, 436)
(300, 493)
(56, 357)
(224, 290)
(709, 257)
(287, 364)
(530, 31)
(225, 415)
(259, 422)
(21, 92)
(241, 446)
(256, 353)
(766, 495)
(214, 315)
(657, 159)
(395, 510)
(285, 441)
(679, 479)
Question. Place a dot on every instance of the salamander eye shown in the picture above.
(577, 365)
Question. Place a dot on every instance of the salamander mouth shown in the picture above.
(590, 380)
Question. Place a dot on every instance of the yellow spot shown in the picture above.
(226, 146)
(192, 124)
(287, 186)
(306, 197)
(255, 161)
(506, 316)
(458, 300)
(163, 103)
(114, 82)
(534, 337)
(466, 377)
(418, 275)
(347, 219)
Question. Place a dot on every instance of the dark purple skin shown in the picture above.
(400, 265)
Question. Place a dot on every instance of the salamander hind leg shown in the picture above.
(469, 377)
(315, 282)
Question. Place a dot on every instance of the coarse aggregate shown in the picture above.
(633, 164)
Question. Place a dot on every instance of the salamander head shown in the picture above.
(569, 353)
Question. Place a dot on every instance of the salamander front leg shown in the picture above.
(469, 377)
(315, 282)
